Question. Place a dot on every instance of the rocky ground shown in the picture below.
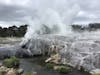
(10, 71)
(25, 63)
(77, 50)
(9, 41)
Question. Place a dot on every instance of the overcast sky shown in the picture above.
(18, 11)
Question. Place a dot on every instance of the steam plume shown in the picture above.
(51, 17)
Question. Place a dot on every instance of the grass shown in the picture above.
(49, 66)
(12, 62)
(64, 69)
(29, 73)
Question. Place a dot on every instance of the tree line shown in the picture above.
(89, 27)
(13, 31)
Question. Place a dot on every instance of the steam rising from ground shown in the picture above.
(54, 17)
(51, 17)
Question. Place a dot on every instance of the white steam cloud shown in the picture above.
(51, 16)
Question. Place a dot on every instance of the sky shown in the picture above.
(17, 12)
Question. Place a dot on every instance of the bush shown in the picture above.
(12, 62)
(49, 65)
(28, 73)
(63, 69)
(97, 74)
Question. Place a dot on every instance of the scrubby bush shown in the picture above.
(49, 65)
(13, 31)
(63, 69)
(12, 62)
(29, 73)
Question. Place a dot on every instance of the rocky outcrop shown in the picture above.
(16, 50)
(79, 51)
(11, 72)
(54, 59)
(95, 72)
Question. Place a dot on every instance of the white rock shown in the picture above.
(0, 64)
(20, 71)
(11, 72)
(34, 73)
(95, 71)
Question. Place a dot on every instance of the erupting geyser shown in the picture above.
(51, 16)
(54, 17)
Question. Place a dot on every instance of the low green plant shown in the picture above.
(64, 69)
(96, 74)
(49, 65)
(12, 62)
(28, 73)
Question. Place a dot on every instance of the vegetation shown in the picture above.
(49, 65)
(63, 69)
(97, 74)
(29, 73)
(20, 31)
(13, 31)
(12, 62)
(59, 68)
(90, 27)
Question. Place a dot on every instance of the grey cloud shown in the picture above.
(11, 12)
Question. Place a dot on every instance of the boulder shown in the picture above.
(95, 72)
(3, 69)
(54, 59)
(20, 71)
(11, 72)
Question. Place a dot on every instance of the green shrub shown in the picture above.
(12, 62)
(28, 73)
(97, 74)
(49, 65)
(63, 69)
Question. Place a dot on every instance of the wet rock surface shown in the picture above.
(78, 51)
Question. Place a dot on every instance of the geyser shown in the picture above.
(54, 17)
(51, 17)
